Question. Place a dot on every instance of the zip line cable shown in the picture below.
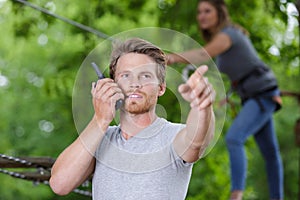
(69, 21)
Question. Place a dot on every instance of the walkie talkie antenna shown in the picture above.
(98, 72)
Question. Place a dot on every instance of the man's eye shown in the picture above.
(124, 75)
(146, 76)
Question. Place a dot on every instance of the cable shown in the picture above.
(69, 21)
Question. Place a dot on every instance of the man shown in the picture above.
(145, 157)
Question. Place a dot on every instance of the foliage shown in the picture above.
(40, 56)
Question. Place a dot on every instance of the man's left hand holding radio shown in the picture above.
(105, 95)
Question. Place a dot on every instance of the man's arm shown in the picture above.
(77, 162)
(191, 142)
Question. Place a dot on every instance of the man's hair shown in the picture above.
(223, 19)
(137, 45)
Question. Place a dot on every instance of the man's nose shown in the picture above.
(135, 83)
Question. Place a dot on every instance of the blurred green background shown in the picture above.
(40, 56)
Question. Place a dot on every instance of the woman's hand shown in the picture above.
(170, 59)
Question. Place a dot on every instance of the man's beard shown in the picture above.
(140, 106)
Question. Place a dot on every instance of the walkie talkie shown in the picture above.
(100, 75)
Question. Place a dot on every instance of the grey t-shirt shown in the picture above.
(240, 58)
(145, 167)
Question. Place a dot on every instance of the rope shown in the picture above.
(41, 176)
(13, 174)
(17, 160)
(69, 21)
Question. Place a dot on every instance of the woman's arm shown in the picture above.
(220, 43)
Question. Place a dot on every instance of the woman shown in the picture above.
(255, 84)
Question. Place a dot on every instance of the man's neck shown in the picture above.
(132, 124)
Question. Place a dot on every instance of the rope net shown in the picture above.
(42, 173)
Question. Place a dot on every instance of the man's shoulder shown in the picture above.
(174, 124)
(112, 130)
(171, 129)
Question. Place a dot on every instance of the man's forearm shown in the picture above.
(76, 162)
(200, 127)
(190, 143)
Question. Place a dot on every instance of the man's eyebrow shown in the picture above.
(146, 72)
(125, 71)
(130, 71)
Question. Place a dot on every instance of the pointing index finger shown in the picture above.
(202, 69)
(198, 75)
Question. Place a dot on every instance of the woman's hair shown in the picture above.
(223, 19)
(137, 45)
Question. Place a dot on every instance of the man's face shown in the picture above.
(136, 75)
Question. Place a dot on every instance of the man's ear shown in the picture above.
(162, 89)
